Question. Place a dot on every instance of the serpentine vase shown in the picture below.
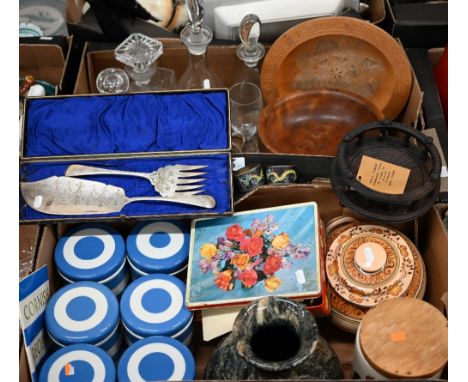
(274, 338)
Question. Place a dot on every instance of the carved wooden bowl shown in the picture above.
(313, 122)
(339, 53)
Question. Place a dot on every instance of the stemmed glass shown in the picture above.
(246, 105)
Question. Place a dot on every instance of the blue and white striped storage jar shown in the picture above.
(93, 252)
(84, 312)
(158, 247)
(154, 305)
(156, 359)
(78, 363)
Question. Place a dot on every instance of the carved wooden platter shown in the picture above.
(339, 53)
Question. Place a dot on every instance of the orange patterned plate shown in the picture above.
(368, 264)
(347, 315)
(339, 53)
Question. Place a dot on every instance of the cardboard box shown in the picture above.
(29, 235)
(433, 122)
(428, 231)
(44, 61)
(418, 24)
(222, 60)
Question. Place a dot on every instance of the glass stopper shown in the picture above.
(250, 50)
(139, 52)
(112, 81)
(195, 35)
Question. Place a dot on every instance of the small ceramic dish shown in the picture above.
(49, 88)
(281, 174)
(313, 122)
(249, 177)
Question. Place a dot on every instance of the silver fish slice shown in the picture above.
(170, 180)
(70, 196)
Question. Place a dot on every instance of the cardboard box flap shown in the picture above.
(44, 62)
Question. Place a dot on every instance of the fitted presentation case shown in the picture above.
(132, 132)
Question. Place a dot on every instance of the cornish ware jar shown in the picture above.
(156, 359)
(78, 363)
(84, 312)
(93, 252)
(274, 338)
(158, 247)
(153, 305)
(367, 264)
(401, 338)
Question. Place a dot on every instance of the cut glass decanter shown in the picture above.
(140, 53)
(198, 74)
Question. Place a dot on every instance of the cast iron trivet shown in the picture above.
(397, 144)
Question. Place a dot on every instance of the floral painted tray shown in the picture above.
(274, 251)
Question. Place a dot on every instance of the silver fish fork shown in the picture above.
(168, 181)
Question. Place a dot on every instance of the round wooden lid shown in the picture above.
(405, 338)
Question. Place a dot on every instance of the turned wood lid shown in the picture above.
(405, 338)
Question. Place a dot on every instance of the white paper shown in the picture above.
(218, 321)
(238, 163)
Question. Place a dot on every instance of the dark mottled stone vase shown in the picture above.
(274, 338)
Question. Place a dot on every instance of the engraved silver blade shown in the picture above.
(72, 196)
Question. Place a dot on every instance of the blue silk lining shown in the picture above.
(126, 123)
(216, 184)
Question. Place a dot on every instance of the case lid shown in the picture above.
(174, 360)
(78, 363)
(82, 312)
(405, 338)
(91, 125)
(159, 247)
(91, 252)
(154, 305)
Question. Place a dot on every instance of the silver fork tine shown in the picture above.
(184, 167)
(189, 192)
(189, 174)
(187, 188)
(189, 180)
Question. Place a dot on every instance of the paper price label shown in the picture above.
(382, 176)
(238, 163)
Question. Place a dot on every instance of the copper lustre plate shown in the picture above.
(339, 53)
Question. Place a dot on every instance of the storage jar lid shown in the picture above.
(78, 363)
(405, 338)
(82, 312)
(159, 247)
(173, 359)
(90, 252)
(154, 305)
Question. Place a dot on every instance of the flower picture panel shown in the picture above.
(272, 251)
